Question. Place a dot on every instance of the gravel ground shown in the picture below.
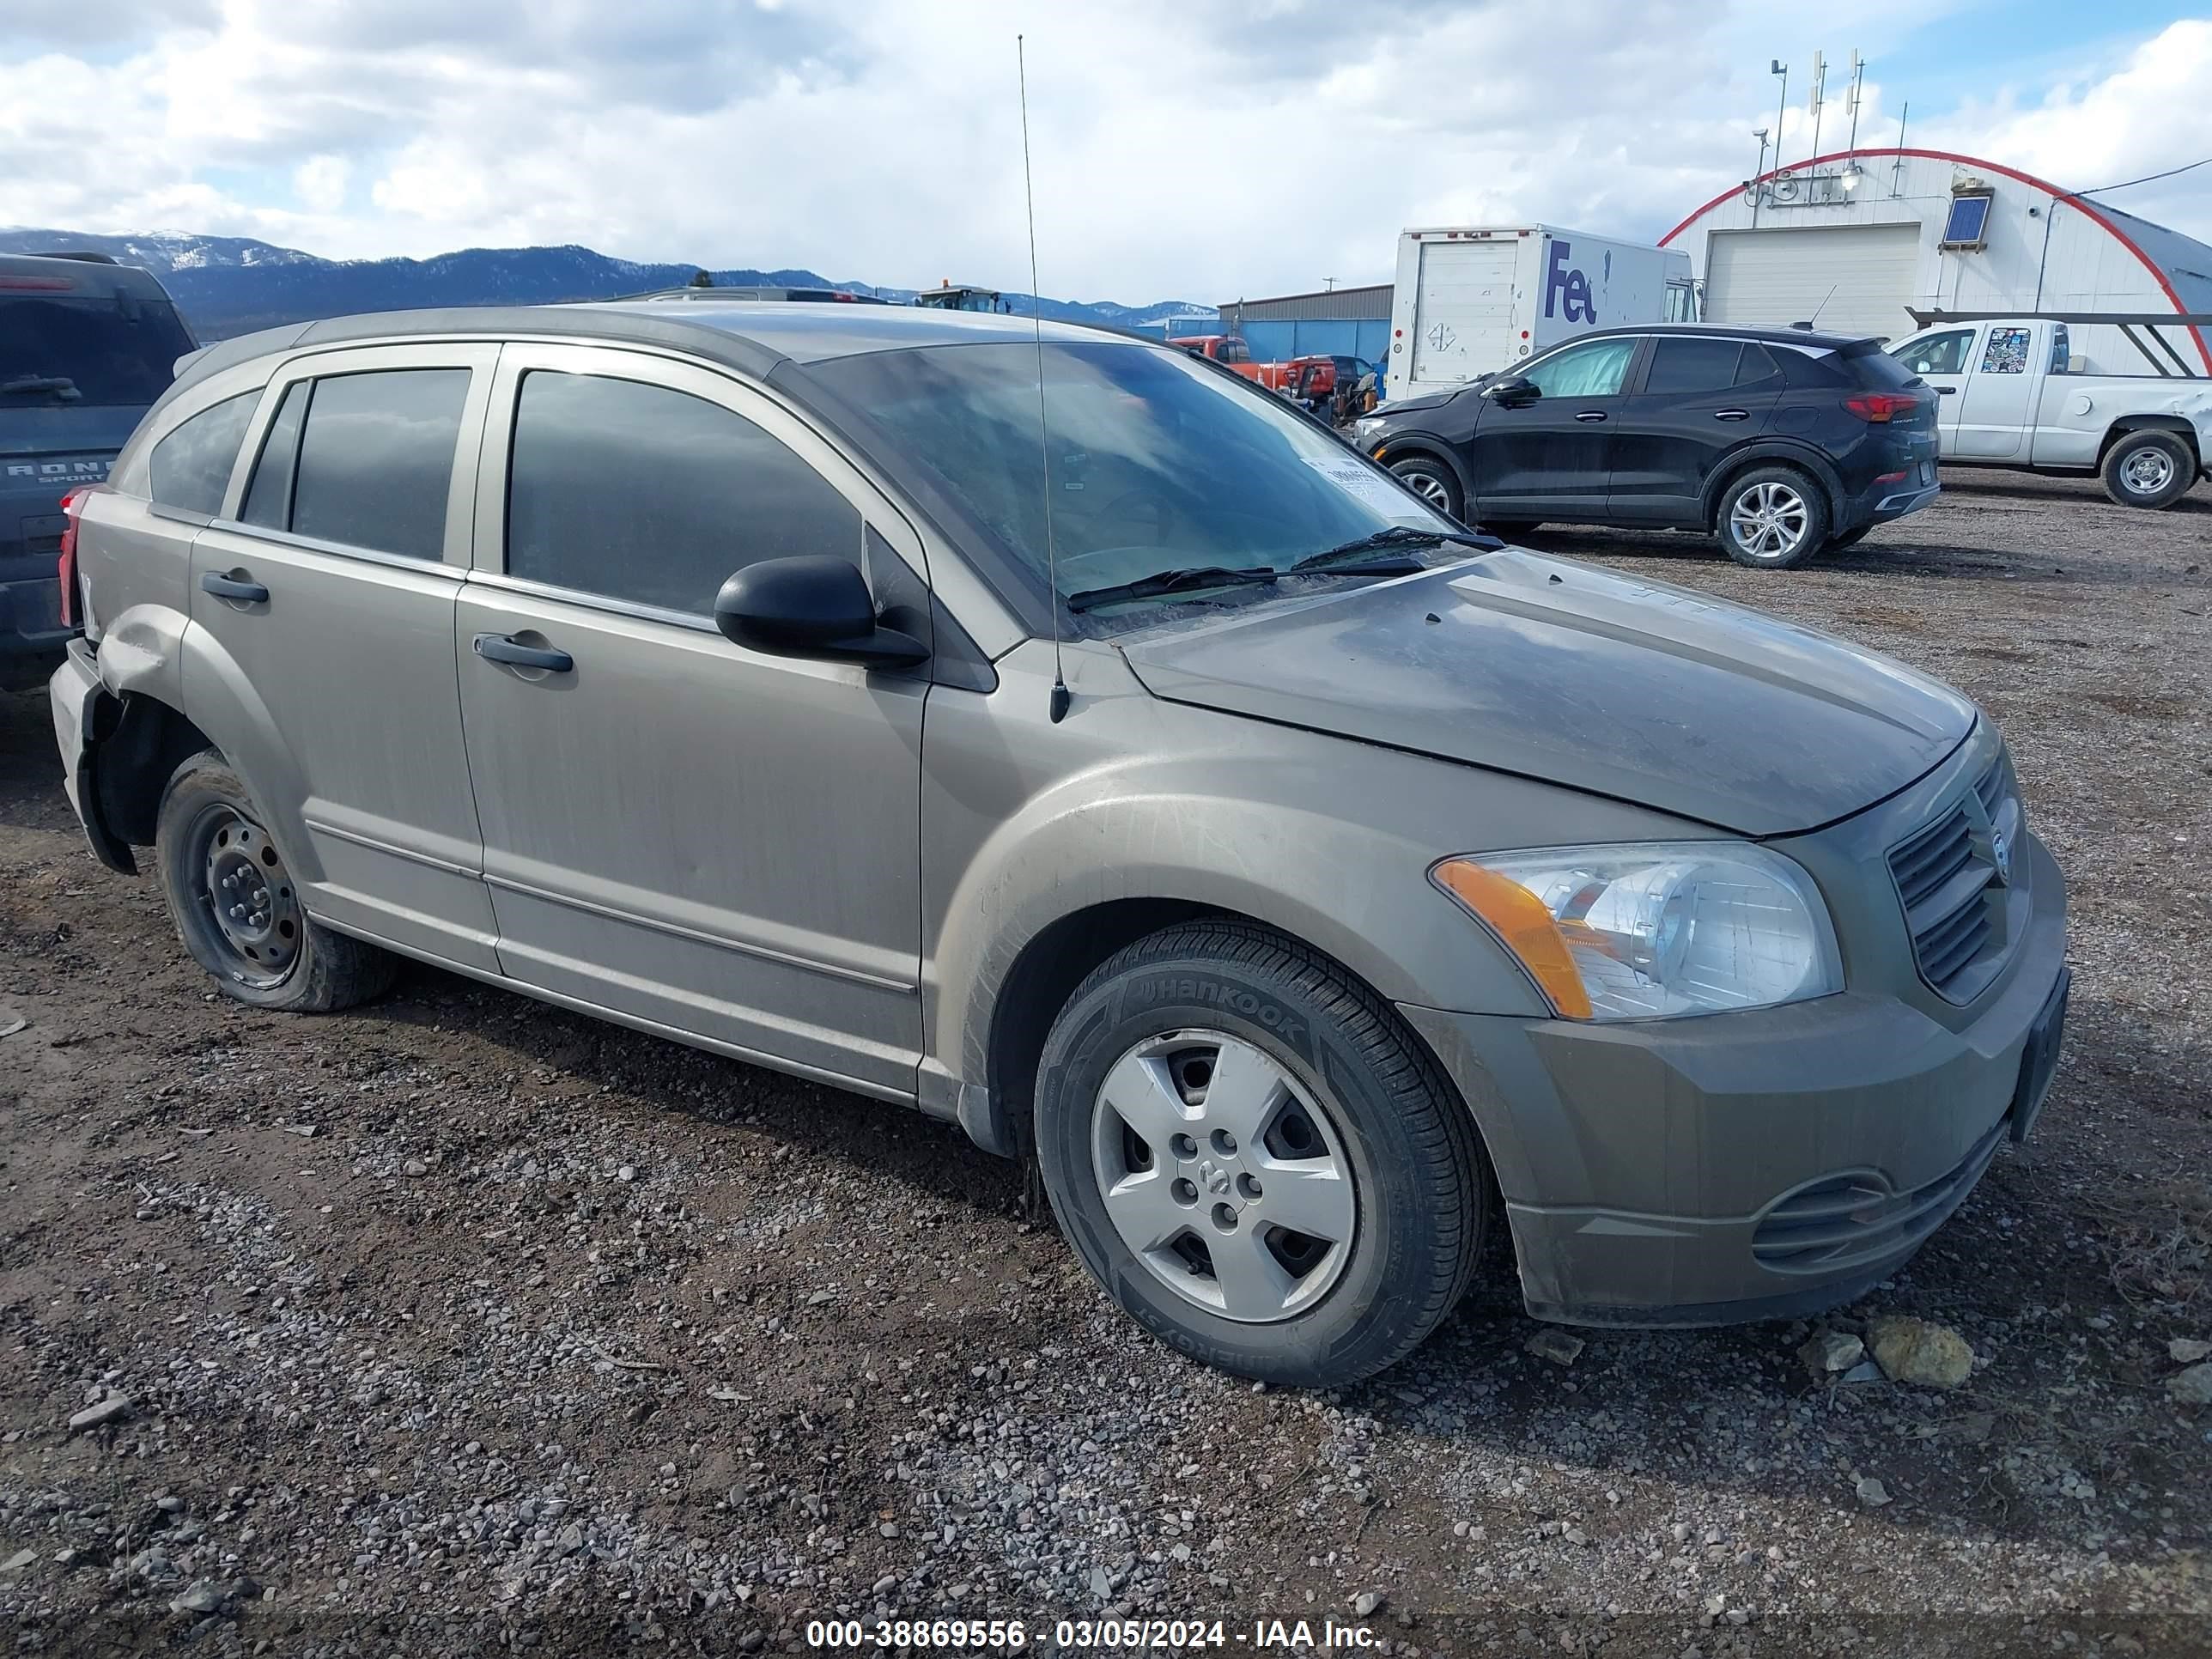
(458, 1323)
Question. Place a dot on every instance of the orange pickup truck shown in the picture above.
(1230, 352)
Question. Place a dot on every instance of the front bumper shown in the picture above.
(1763, 1164)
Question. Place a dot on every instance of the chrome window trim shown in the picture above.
(500, 581)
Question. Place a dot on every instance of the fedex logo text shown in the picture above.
(1570, 290)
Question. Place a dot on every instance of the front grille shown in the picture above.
(1850, 1220)
(1944, 875)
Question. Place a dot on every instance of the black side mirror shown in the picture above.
(816, 606)
(1512, 389)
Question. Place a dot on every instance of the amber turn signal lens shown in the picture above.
(1524, 925)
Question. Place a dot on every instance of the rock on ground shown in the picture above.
(1913, 1351)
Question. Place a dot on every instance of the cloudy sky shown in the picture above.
(1189, 148)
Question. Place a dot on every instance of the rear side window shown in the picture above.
(190, 468)
(376, 459)
(1872, 366)
(2007, 352)
(1685, 366)
(269, 492)
(654, 496)
(83, 351)
(1757, 366)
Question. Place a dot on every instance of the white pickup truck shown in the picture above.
(2014, 393)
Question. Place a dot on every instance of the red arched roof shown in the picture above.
(2081, 204)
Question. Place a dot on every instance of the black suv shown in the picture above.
(1779, 441)
(86, 346)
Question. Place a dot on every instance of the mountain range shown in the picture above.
(228, 285)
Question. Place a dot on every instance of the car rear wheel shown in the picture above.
(1432, 481)
(1772, 517)
(2149, 469)
(1256, 1159)
(237, 907)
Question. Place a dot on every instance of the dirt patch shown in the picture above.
(459, 1322)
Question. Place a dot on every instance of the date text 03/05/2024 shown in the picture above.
(1264, 1635)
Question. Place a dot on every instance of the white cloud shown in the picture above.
(1193, 152)
(319, 182)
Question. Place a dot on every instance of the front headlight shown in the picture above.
(1365, 428)
(1646, 932)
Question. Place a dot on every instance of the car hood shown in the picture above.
(1558, 671)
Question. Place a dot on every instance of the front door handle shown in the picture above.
(505, 647)
(1945, 391)
(1591, 414)
(1731, 414)
(232, 587)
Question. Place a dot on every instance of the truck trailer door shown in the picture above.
(1462, 310)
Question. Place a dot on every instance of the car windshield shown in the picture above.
(1158, 463)
(81, 351)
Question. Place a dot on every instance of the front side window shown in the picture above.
(1154, 463)
(190, 468)
(1594, 369)
(376, 459)
(643, 494)
(1937, 354)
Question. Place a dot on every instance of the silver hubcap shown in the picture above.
(1223, 1176)
(2147, 471)
(1768, 521)
(248, 896)
(1429, 488)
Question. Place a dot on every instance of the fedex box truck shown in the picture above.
(1471, 301)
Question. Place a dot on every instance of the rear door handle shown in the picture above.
(1731, 414)
(1945, 391)
(504, 647)
(230, 587)
(1591, 414)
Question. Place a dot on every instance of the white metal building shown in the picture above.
(1850, 241)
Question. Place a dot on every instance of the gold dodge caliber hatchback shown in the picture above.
(701, 668)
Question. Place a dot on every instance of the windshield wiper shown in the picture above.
(1397, 535)
(56, 383)
(1184, 580)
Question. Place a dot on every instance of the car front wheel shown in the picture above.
(1432, 481)
(1256, 1159)
(1772, 517)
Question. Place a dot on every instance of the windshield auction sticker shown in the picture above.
(1360, 481)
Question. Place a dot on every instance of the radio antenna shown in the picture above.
(1059, 698)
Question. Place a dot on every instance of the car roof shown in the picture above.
(754, 337)
(1796, 337)
(81, 276)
